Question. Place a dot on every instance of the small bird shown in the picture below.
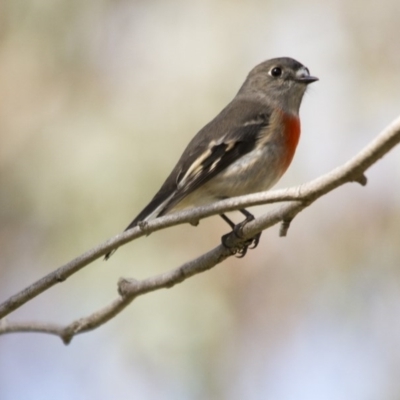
(245, 149)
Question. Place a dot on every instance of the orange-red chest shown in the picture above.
(291, 133)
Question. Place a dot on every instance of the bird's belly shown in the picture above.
(254, 172)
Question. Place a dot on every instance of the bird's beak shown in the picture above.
(308, 79)
(303, 76)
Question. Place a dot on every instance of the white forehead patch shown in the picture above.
(302, 72)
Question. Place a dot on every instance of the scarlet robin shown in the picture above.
(245, 149)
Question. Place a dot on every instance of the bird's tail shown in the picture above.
(153, 210)
(109, 254)
(130, 226)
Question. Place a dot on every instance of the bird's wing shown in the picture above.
(232, 134)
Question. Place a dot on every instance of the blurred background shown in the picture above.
(97, 101)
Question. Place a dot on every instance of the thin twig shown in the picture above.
(298, 198)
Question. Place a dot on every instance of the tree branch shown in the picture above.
(298, 198)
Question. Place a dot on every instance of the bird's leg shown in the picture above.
(228, 221)
(249, 217)
(238, 232)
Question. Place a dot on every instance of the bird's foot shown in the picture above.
(240, 250)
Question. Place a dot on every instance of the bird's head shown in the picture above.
(281, 81)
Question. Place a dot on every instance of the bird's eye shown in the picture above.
(276, 72)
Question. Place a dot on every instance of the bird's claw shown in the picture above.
(241, 249)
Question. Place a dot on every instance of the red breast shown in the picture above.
(291, 132)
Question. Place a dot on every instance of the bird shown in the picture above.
(245, 149)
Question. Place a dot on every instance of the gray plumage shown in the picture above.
(242, 150)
